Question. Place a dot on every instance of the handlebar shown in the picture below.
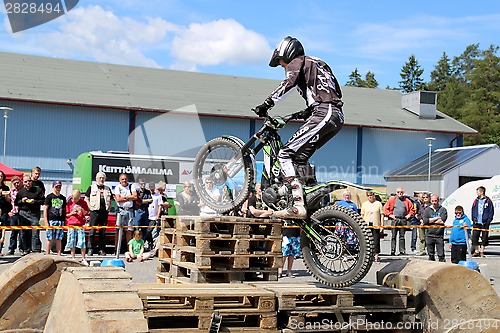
(280, 121)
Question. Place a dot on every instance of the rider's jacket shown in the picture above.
(314, 81)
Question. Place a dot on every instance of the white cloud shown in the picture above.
(217, 42)
(96, 34)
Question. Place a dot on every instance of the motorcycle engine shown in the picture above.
(276, 197)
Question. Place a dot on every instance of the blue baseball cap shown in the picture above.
(56, 183)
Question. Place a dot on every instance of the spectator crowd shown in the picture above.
(139, 210)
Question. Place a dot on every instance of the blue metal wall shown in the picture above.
(47, 135)
(386, 150)
(181, 134)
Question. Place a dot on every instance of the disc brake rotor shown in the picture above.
(218, 175)
(333, 247)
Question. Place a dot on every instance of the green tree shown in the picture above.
(481, 110)
(411, 76)
(370, 81)
(471, 94)
(464, 64)
(355, 79)
(441, 75)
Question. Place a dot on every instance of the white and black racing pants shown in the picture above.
(324, 123)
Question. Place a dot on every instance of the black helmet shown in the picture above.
(287, 50)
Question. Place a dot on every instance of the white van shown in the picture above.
(465, 195)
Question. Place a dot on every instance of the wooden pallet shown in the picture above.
(312, 296)
(228, 244)
(190, 273)
(298, 307)
(233, 297)
(189, 255)
(190, 307)
(309, 305)
(229, 225)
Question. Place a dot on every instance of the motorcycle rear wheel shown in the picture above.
(211, 163)
(346, 253)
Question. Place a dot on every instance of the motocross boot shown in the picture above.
(298, 210)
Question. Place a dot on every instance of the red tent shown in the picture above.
(9, 172)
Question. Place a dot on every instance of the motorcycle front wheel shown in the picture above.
(338, 251)
(231, 175)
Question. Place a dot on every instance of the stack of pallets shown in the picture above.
(219, 249)
(272, 307)
(190, 308)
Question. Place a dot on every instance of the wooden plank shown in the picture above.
(106, 285)
(112, 301)
(97, 273)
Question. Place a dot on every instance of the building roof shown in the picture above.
(442, 161)
(61, 81)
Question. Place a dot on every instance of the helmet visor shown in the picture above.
(274, 62)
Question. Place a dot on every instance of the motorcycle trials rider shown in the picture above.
(316, 83)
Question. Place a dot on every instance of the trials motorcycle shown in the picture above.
(336, 243)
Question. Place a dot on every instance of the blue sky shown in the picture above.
(237, 37)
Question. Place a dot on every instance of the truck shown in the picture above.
(465, 195)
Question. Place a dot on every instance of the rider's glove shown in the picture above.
(261, 110)
(304, 114)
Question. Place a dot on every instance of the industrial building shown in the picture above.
(62, 108)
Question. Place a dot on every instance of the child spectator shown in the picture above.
(458, 241)
(291, 250)
(54, 215)
(136, 248)
(76, 210)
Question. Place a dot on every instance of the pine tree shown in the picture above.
(370, 81)
(441, 75)
(355, 79)
(411, 76)
(463, 64)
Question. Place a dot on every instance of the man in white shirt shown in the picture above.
(125, 195)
